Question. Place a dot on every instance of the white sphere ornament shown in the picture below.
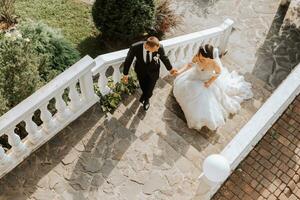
(216, 168)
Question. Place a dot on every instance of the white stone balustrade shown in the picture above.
(51, 124)
(179, 50)
(34, 134)
(82, 96)
(63, 110)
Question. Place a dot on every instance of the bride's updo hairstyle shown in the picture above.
(207, 51)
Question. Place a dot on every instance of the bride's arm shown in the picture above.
(187, 66)
(217, 71)
(184, 68)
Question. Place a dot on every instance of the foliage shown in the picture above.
(31, 56)
(3, 103)
(19, 76)
(123, 19)
(72, 17)
(7, 11)
(111, 101)
(165, 18)
(56, 53)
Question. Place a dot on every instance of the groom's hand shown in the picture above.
(173, 72)
(125, 79)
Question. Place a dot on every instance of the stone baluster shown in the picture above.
(212, 41)
(102, 84)
(34, 134)
(178, 54)
(173, 55)
(4, 159)
(209, 41)
(204, 42)
(74, 97)
(196, 47)
(63, 112)
(48, 121)
(117, 73)
(87, 87)
(217, 42)
(190, 52)
(14, 140)
(181, 54)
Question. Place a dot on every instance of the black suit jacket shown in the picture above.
(140, 67)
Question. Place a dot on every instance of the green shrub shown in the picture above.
(123, 19)
(56, 53)
(3, 104)
(19, 76)
(111, 101)
(30, 57)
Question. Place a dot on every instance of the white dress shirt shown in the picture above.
(145, 54)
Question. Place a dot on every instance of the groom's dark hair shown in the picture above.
(152, 42)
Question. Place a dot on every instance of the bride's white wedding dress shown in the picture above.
(210, 106)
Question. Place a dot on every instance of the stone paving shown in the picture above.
(128, 155)
(252, 21)
(270, 59)
(136, 155)
(272, 169)
(280, 52)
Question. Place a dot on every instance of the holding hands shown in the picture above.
(174, 72)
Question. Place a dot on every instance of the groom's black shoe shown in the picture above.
(142, 99)
(146, 104)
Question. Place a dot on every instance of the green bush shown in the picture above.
(30, 57)
(111, 101)
(56, 53)
(123, 19)
(19, 76)
(3, 103)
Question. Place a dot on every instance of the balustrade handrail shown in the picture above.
(118, 56)
(44, 94)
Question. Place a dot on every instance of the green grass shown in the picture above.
(71, 16)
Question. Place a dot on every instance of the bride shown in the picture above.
(207, 92)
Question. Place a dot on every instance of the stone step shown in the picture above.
(116, 164)
(150, 169)
(166, 119)
(166, 124)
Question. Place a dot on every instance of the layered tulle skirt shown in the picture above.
(210, 106)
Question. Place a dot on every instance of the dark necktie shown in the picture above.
(148, 57)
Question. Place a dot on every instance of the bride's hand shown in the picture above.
(206, 84)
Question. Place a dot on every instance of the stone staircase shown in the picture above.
(131, 154)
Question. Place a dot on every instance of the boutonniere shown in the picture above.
(156, 58)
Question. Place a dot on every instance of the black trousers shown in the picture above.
(147, 84)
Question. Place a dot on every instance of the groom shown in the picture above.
(148, 55)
